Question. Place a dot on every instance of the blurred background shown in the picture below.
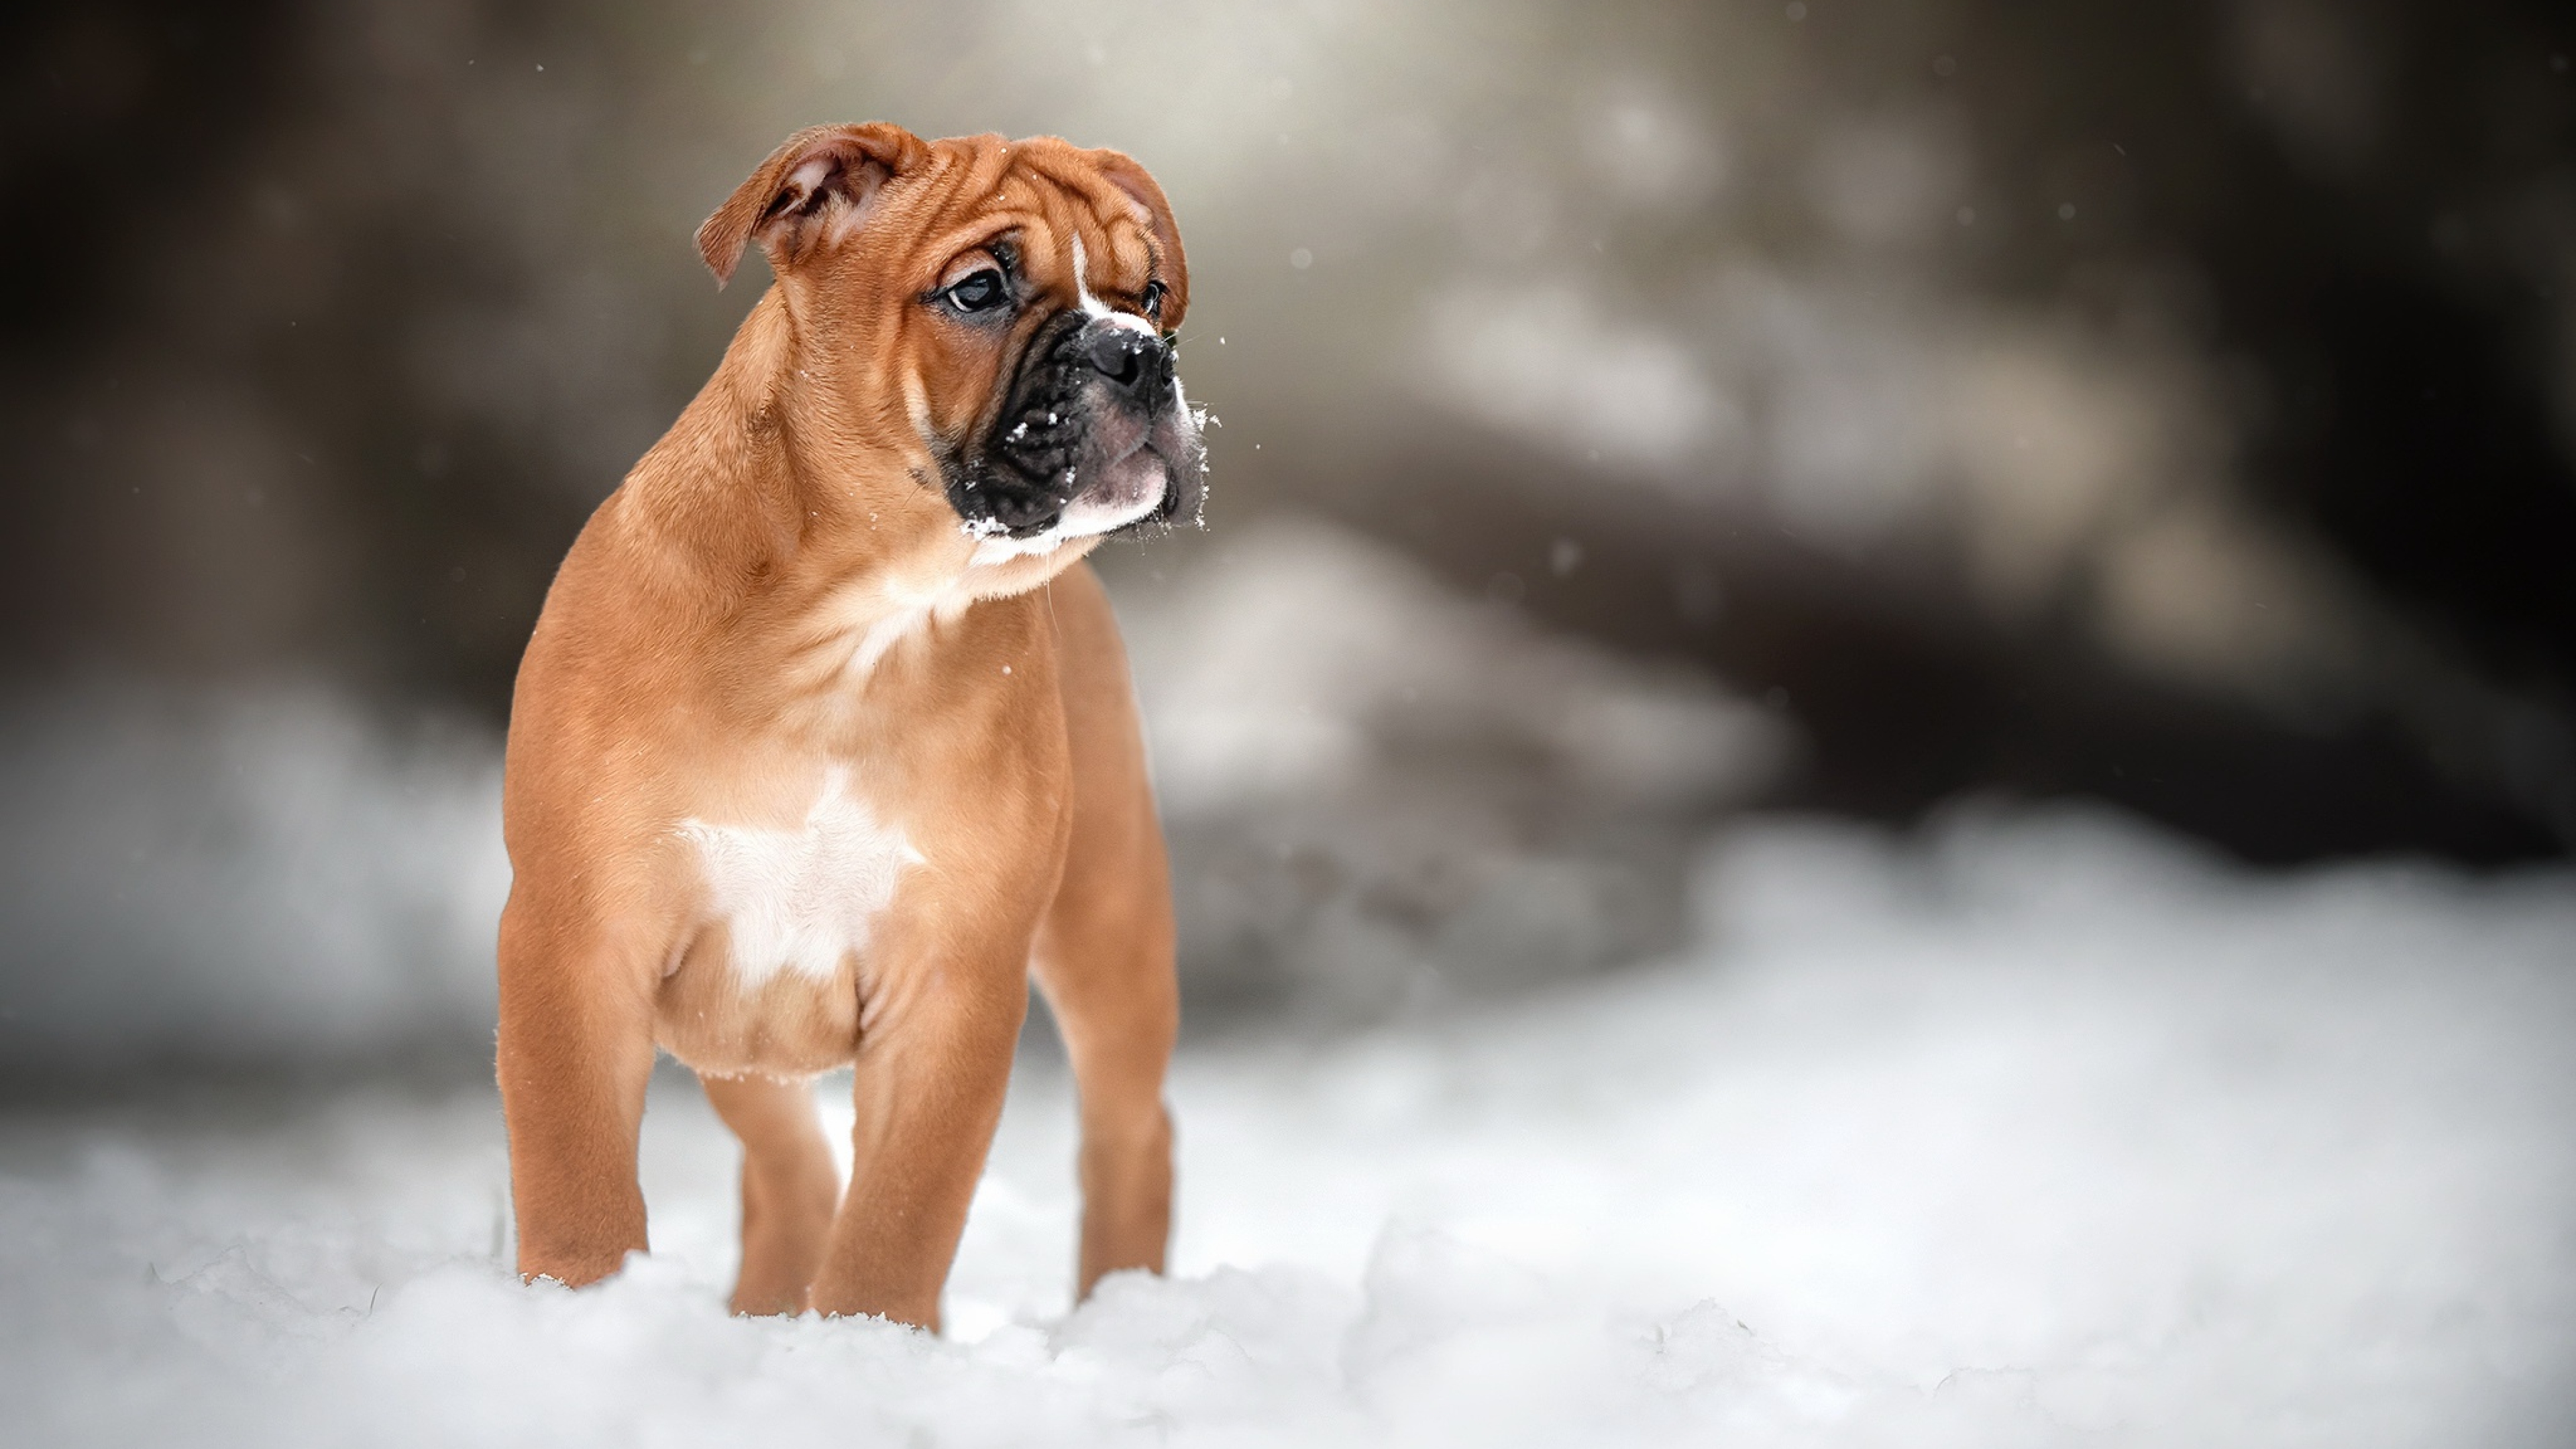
(1631, 415)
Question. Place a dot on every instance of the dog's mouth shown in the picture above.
(1094, 438)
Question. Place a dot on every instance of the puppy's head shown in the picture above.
(1004, 313)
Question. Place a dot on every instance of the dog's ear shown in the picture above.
(815, 188)
(1127, 176)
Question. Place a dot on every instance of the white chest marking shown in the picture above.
(801, 898)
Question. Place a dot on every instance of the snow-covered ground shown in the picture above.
(2034, 1130)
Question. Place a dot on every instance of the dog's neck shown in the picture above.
(772, 500)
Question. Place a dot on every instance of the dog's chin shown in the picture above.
(1132, 491)
(1123, 495)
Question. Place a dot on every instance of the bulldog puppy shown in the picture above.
(824, 744)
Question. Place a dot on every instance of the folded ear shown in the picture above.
(1127, 176)
(814, 189)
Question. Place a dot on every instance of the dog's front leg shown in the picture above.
(933, 1065)
(575, 1052)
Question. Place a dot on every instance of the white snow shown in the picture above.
(265, 873)
(2036, 1130)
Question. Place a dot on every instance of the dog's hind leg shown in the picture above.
(789, 1188)
(1107, 976)
(1104, 952)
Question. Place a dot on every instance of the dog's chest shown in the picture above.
(801, 897)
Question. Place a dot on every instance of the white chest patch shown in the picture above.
(800, 898)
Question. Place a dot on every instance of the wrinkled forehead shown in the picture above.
(1044, 196)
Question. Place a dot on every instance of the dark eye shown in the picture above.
(1154, 294)
(981, 292)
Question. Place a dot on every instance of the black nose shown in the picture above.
(1138, 362)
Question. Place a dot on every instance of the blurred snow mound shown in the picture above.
(1302, 658)
(1811, 878)
(253, 875)
(1384, 793)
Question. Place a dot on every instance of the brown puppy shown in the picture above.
(825, 741)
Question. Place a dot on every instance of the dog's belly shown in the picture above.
(767, 980)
